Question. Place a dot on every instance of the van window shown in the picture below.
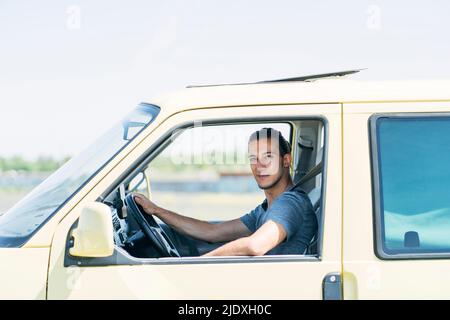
(23, 220)
(205, 172)
(412, 158)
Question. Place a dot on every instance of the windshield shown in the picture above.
(19, 223)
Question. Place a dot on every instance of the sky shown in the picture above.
(70, 69)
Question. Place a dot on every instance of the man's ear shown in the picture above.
(287, 160)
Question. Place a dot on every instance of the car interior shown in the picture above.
(143, 236)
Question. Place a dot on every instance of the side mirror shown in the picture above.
(93, 236)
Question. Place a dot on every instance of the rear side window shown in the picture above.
(411, 166)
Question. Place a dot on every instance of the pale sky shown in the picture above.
(70, 69)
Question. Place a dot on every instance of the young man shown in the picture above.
(283, 224)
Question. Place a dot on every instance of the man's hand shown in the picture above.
(148, 206)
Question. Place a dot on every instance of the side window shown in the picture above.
(205, 172)
(411, 158)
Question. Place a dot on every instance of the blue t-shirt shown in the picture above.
(293, 210)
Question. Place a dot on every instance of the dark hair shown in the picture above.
(268, 133)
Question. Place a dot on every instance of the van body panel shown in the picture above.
(376, 278)
(23, 273)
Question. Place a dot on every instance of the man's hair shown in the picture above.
(269, 133)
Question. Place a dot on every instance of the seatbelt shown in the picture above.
(317, 169)
(306, 150)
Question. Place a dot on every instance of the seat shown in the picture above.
(315, 195)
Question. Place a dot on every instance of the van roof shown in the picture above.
(312, 77)
(300, 92)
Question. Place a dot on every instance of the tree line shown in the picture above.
(40, 164)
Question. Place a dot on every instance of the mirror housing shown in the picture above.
(93, 236)
(147, 180)
(135, 128)
(136, 182)
(140, 183)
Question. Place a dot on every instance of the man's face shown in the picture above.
(266, 163)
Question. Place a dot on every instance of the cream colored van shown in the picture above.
(374, 158)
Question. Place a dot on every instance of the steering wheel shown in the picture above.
(151, 228)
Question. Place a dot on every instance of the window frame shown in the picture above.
(121, 257)
(377, 196)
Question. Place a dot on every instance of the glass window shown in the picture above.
(414, 184)
(19, 223)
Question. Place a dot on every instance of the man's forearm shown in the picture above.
(240, 247)
(198, 229)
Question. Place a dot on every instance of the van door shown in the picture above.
(267, 277)
(396, 204)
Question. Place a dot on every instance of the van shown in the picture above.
(373, 158)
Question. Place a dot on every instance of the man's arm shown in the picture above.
(267, 237)
(202, 230)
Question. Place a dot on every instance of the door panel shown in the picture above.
(365, 275)
(255, 278)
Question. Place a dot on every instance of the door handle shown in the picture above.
(332, 286)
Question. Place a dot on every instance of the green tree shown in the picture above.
(41, 164)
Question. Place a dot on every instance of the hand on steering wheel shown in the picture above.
(142, 201)
(151, 228)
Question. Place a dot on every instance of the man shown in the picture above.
(283, 224)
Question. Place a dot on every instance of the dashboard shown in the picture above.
(127, 233)
(122, 229)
